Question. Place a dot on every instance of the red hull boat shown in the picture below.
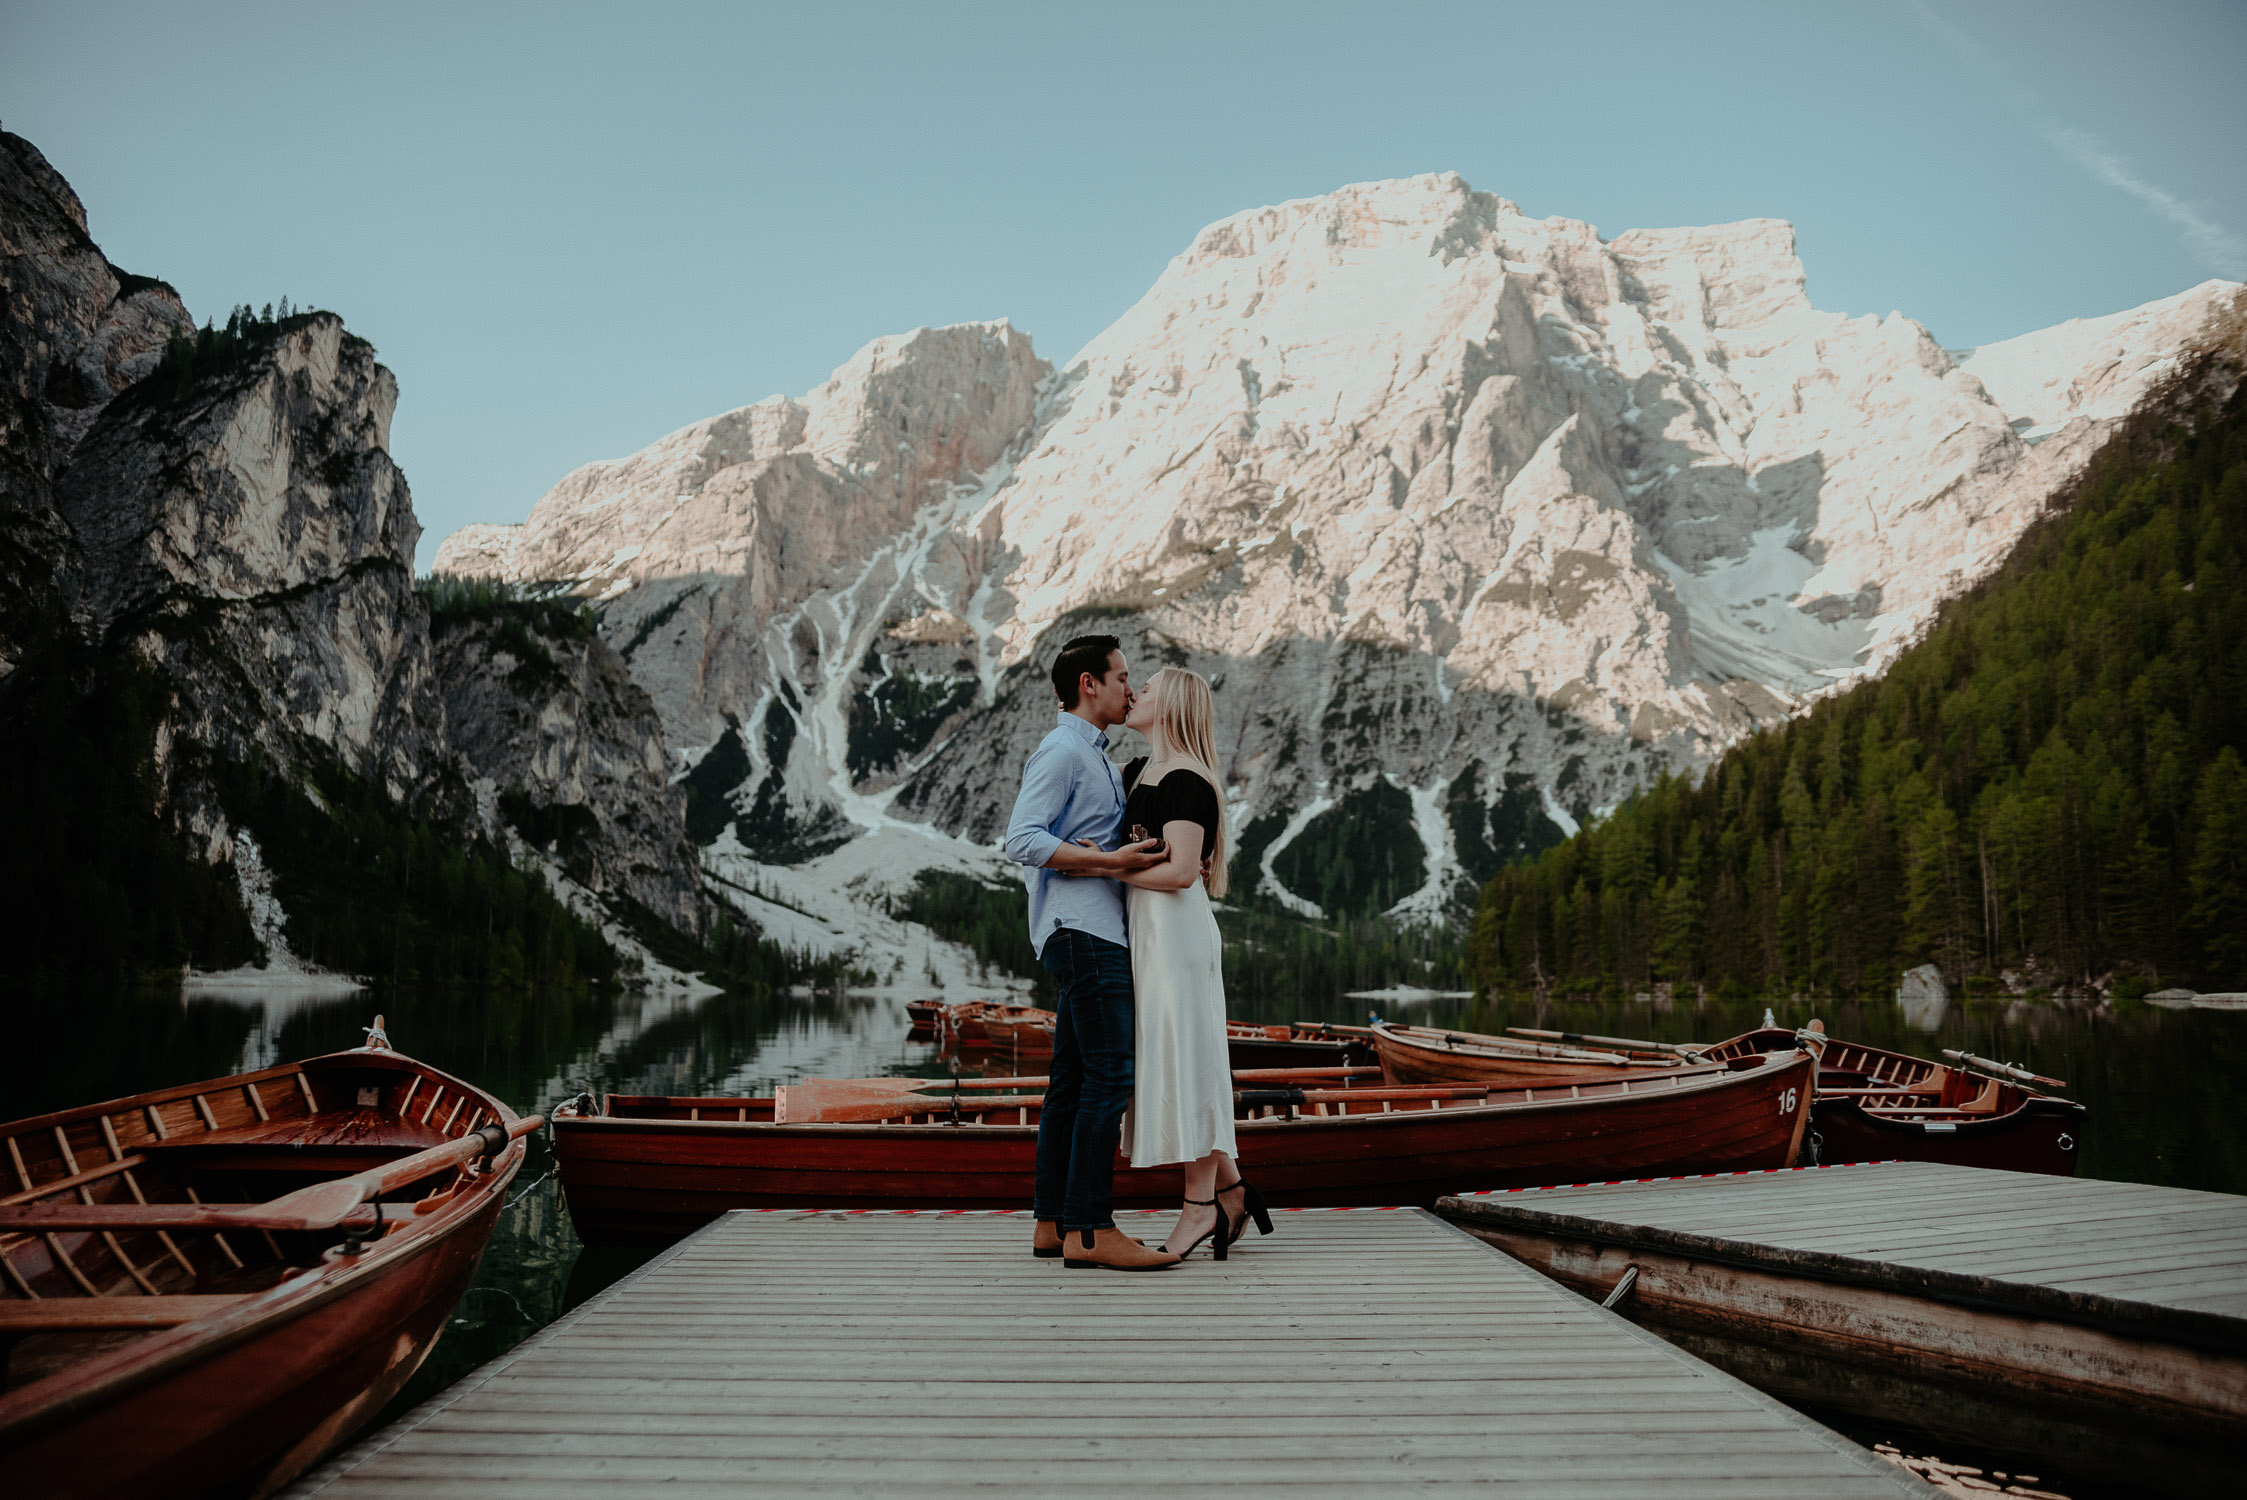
(1876, 1105)
(1026, 1033)
(172, 1328)
(1872, 1105)
(1427, 1054)
(647, 1168)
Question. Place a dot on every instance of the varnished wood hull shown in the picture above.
(2040, 1136)
(651, 1180)
(2028, 1132)
(238, 1402)
(2039, 1133)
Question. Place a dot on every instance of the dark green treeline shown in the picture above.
(2050, 782)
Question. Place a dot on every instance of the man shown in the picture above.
(1065, 819)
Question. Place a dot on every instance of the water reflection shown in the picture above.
(1924, 1012)
(2162, 1086)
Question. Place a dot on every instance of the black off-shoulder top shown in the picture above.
(1182, 796)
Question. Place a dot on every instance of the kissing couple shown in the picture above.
(1124, 926)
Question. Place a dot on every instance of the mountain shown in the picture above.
(1480, 522)
(2045, 793)
(229, 732)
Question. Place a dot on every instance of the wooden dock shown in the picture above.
(928, 1354)
(2103, 1323)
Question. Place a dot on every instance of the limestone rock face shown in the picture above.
(1477, 521)
(254, 535)
(234, 519)
(570, 753)
(751, 515)
(74, 331)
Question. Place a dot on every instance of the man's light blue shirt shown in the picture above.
(1070, 791)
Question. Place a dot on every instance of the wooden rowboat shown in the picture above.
(1876, 1105)
(1429, 1054)
(1301, 1045)
(651, 1168)
(989, 1025)
(1872, 1105)
(1026, 1032)
(204, 1289)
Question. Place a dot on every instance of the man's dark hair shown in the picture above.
(1087, 653)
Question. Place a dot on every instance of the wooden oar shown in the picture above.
(323, 1205)
(2003, 1070)
(117, 1218)
(1452, 1041)
(1275, 1075)
(1686, 1049)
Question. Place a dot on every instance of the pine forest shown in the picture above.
(2045, 792)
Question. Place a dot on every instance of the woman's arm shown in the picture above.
(1181, 865)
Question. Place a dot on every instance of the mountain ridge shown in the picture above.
(1483, 510)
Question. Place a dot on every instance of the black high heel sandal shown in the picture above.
(1252, 1207)
(1220, 1236)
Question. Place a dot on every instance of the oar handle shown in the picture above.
(486, 1142)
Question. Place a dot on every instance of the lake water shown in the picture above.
(2163, 1087)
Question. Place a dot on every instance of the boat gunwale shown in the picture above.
(2223, 1333)
(170, 1095)
(131, 1366)
(565, 1116)
(1390, 1032)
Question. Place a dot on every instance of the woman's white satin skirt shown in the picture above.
(1182, 1093)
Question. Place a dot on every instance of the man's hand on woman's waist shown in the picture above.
(1085, 857)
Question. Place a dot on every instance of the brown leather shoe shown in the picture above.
(1045, 1240)
(1113, 1250)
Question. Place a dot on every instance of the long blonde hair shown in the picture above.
(1185, 734)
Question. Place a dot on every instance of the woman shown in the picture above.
(1182, 1096)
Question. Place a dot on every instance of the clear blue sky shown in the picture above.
(571, 229)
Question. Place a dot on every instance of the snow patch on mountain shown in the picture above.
(1447, 500)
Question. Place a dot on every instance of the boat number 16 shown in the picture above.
(1786, 1102)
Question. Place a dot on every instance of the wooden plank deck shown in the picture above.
(2104, 1321)
(2177, 1256)
(929, 1354)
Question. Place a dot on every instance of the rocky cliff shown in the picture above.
(205, 531)
(239, 520)
(567, 752)
(74, 330)
(1478, 521)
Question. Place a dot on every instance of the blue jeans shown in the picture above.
(1089, 1085)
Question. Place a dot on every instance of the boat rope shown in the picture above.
(501, 1291)
(526, 1189)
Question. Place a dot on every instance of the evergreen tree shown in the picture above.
(2049, 782)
